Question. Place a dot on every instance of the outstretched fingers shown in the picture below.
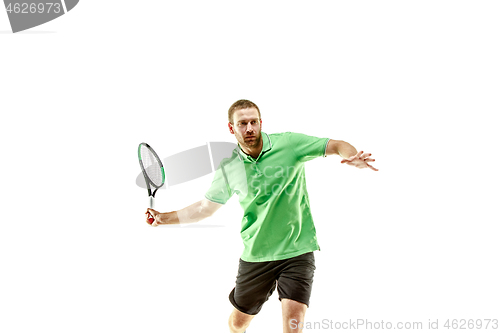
(374, 169)
(360, 160)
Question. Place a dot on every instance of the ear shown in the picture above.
(230, 128)
(260, 123)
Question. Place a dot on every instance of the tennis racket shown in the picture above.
(153, 172)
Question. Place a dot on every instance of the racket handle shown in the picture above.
(151, 205)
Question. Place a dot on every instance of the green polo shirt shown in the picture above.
(277, 222)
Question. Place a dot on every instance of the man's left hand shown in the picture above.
(360, 160)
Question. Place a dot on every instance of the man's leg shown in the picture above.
(293, 315)
(255, 283)
(239, 321)
(294, 289)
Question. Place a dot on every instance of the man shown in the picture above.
(267, 173)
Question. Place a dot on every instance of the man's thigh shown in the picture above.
(296, 278)
(255, 283)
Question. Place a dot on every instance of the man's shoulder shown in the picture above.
(279, 135)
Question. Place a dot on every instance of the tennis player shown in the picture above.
(266, 171)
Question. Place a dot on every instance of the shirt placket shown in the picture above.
(255, 163)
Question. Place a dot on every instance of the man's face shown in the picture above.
(246, 127)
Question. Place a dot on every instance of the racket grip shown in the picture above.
(151, 205)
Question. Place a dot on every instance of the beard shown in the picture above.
(251, 143)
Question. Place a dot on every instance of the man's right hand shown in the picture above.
(193, 213)
(160, 218)
(151, 217)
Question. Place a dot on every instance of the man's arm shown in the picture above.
(341, 148)
(193, 213)
(349, 154)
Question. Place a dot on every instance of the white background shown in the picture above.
(414, 83)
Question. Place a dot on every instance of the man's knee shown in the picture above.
(293, 309)
(237, 324)
(239, 321)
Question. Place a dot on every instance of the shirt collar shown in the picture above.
(266, 146)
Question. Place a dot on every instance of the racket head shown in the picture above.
(151, 166)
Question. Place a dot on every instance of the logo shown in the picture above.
(26, 14)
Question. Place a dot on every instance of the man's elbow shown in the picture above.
(333, 147)
(208, 208)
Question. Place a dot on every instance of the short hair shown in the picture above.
(239, 105)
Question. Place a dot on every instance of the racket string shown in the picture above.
(151, 166)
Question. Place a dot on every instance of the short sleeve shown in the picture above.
(307, 147)
(219, 191)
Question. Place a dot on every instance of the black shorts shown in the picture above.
(256, 281)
